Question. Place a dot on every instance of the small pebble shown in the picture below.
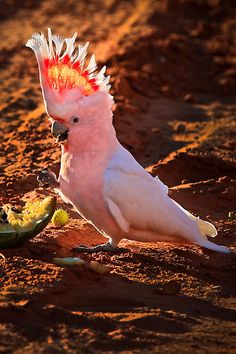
(156, 131)
(172, 287)
(180, 128)
(224, 179)
(189, 98)
(185, 181)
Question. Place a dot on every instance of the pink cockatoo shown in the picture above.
(98, 176)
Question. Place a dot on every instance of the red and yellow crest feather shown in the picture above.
(62, 64)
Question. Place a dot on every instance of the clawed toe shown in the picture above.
(107, 247)
(81, 248)
(47, 178)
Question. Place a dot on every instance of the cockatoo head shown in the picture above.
(76, 98)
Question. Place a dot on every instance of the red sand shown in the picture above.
(173, 73)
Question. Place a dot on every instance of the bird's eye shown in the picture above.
(75, 119)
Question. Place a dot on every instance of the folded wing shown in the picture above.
(139, 201)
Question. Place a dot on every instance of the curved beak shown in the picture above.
(59, 131)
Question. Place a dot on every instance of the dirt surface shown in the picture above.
(172, 65)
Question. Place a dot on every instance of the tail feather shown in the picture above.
(213, 247)
(205, 227)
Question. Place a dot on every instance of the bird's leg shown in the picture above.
(47, 178)
(106, 247)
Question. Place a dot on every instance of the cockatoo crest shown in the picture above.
(63, 76)
(62, 64)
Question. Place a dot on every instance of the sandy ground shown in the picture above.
(172, 65)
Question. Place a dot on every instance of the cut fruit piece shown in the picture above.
(33, 218)
(70, 261)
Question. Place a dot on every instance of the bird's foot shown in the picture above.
(107, 247)
(47, 178)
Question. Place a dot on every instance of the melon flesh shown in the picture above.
(32, 219)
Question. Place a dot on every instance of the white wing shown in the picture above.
(139, 197)
(118, 216)
(138, 201)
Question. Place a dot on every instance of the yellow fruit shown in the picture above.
(60, 217)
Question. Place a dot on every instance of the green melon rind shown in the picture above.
(14, 238)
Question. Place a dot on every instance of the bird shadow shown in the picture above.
(79, 296)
